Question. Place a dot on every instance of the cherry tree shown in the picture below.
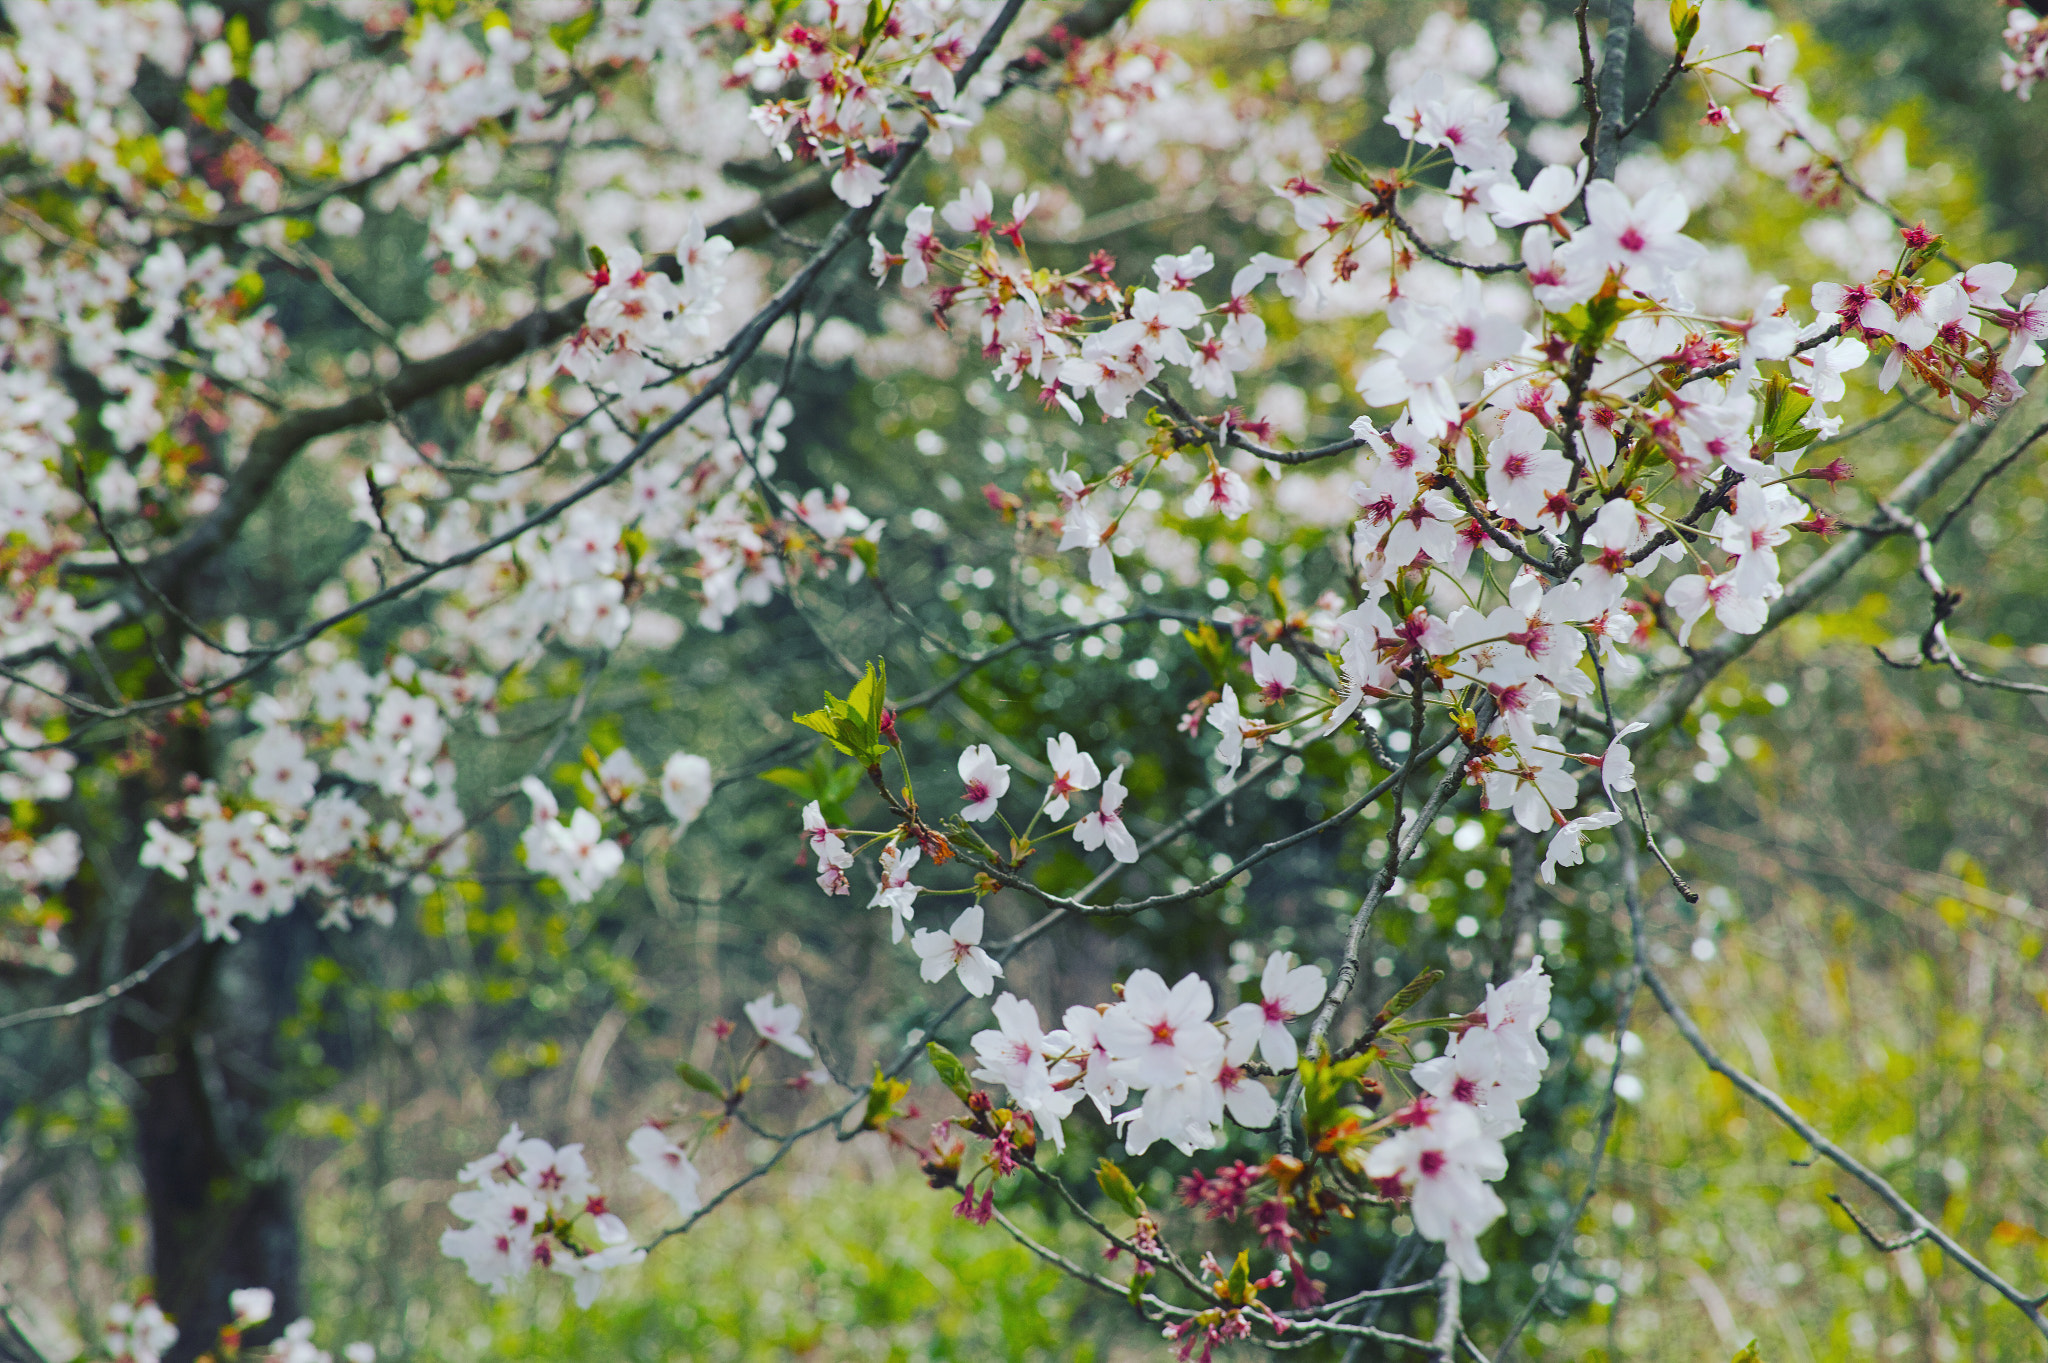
(1584, 461)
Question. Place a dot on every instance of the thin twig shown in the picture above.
(2029, 1306)
(1445, 1340)
(1399, 849)
(1884, 1245)
(1126, 907)
(88, 1002)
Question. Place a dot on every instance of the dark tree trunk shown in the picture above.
(222, 1212)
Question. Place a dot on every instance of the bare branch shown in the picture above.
(1125, 907)
(1443, 258)
(1621, 25)
(1823, 573)
(1446, 1339)
(1884, 1245)
(1399, 849)
(2029, 1306)
(88, 1002)
(1671, 73)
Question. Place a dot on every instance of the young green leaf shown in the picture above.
(1239, 1288)
(1117, 1186)
(699, 1080)
(947, 1066)
(1411, 993)
(883, 1095)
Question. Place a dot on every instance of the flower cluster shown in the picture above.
(1108, 93)
(1543, 445)
(1447, 1149)
(2026, 61)
(527, 1210)
(870, 83)
(349, 793)
(530, 1200)
(1076, 332)
(641, 321)
(139, 1332)
(984, 782)
(1156, 1040)
(1578, 427)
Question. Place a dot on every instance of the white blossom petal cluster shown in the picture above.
(527, 1210)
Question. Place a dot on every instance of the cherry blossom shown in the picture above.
(1273, 671)
(957, 949)
(1521, 470)
(1639, 239)
(685, 787)
(986, 781)
(1228, 720)
(895, 892)
(1104, 825)
(1469, 1072)
(1286, 992)
(251, 1305)
(1161, 1035)
(666, 1165)
(600, 476)
(1099, 1078)
(1248, 1101)
(1016, 1054)
(1222, 490)
(777, 1024)
(1549, 194)
(1568, 844)
(1072, 770)
(1693, 595)
(1442, 1161)
(1617, 768)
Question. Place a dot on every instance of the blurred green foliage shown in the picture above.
(846, 1270)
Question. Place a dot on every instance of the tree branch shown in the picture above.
(88, 1002)
(278, 444)
(2029, 1306)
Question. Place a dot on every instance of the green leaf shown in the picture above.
(883, 1095)
(878, 14)
(1351, 168)
(868, 699)
(1323, 1082)
(570, 32)
(1591, 324)
(825, 781)
(838, 786)
(1411, 993)
(1748, 1354)
(1117, 1186)
(699, 1080)
(828, 724)
(239, 44)
(1685, 24)
(792, 780)
(854, 725)
(947, 1066)
(1240, 1285)
(1217, 657)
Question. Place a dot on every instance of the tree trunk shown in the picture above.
(222, 1212)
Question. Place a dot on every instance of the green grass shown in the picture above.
(857, 1271)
